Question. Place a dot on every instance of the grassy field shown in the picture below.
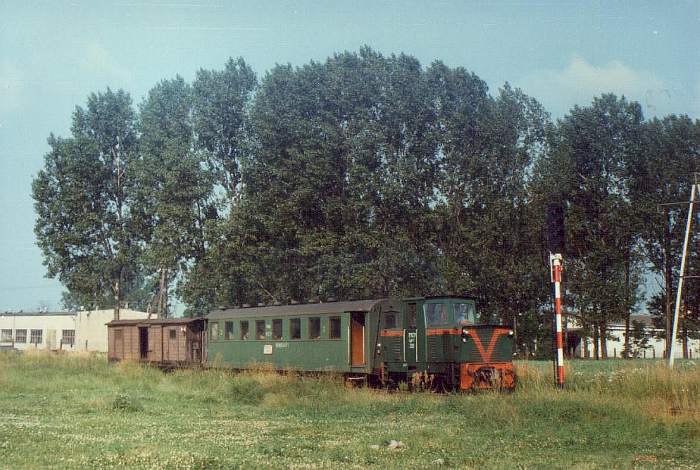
(78, 411)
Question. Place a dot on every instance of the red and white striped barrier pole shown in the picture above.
(555, 262)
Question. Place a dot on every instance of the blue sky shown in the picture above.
(53, 54)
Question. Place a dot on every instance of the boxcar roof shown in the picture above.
(154, 321)
(300, 309)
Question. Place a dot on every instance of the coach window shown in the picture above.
(244, 330)
(228, 330)
(295, 328)
(389, 320)
(314, 328)
(173, 333)
(118, 334)
(260, 329)
(334, 328)
(215, 331)
(277, 329)
(436, 314)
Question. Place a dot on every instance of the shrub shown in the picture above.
(123, 402)
(246, 390)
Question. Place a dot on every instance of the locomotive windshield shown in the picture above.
(440, 313)
(465, 313)
(436, 314)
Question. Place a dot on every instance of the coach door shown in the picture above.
(357, 339)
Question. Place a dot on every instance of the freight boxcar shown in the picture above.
(166, 342)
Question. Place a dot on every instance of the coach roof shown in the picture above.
(300, 309)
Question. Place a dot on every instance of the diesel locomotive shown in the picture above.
(435, 341)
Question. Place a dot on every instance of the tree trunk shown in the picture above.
(668, 275)
(117, 299)
(596, 338)
(166, 314)
(626, 350)
(163, 295)
(603, 340)
(685, 340)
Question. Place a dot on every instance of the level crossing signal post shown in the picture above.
(555, 239)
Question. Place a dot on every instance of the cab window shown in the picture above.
(465, 313)
(436, 314)
(411, 316)
(390, 320)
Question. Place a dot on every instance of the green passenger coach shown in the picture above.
(438, 340)
(333, 336)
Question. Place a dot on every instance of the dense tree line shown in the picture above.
(363, 176)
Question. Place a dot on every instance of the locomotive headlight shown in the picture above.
(379, 349)
(510, 333)
(465, 335)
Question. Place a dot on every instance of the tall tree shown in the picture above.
(662, 174)
(341, 181)
(90, 226)
(591, 150)
(221, 101)
(490, 246)
(173, 182)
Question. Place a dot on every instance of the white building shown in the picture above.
(656, 344)
(59, 331)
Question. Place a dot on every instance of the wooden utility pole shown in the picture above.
(160, 303)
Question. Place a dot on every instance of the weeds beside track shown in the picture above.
(78, 411)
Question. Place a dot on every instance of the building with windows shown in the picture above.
(579, 345)
(59, 331)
